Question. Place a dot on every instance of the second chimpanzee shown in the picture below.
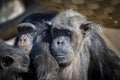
(27, 31)
(28, 28)
(13, 62)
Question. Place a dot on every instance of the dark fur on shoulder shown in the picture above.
(45, 65)
(105, 63)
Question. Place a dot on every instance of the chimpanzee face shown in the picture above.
(24, 40)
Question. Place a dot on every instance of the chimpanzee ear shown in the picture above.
(85, 26)
(48, 23)
(6, 61)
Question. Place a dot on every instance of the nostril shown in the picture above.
(60, 42)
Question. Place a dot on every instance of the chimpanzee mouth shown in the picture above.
(63, 59)
(60, 55)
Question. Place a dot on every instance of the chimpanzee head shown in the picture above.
(66, 36)
(13, 59)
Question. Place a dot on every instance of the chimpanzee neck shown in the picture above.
(71, 72)
(78, 68)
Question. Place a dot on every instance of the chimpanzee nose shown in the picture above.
(59, 42)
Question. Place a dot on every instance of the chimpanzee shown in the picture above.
(13, 62)
(78, 49)
(28, 28)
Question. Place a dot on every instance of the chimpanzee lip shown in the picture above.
(61, 56)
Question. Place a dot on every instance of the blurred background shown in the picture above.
(104, 12)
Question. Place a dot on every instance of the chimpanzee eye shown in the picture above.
(29, 29)
(20, 29)
(68, 33)
(56, 31)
